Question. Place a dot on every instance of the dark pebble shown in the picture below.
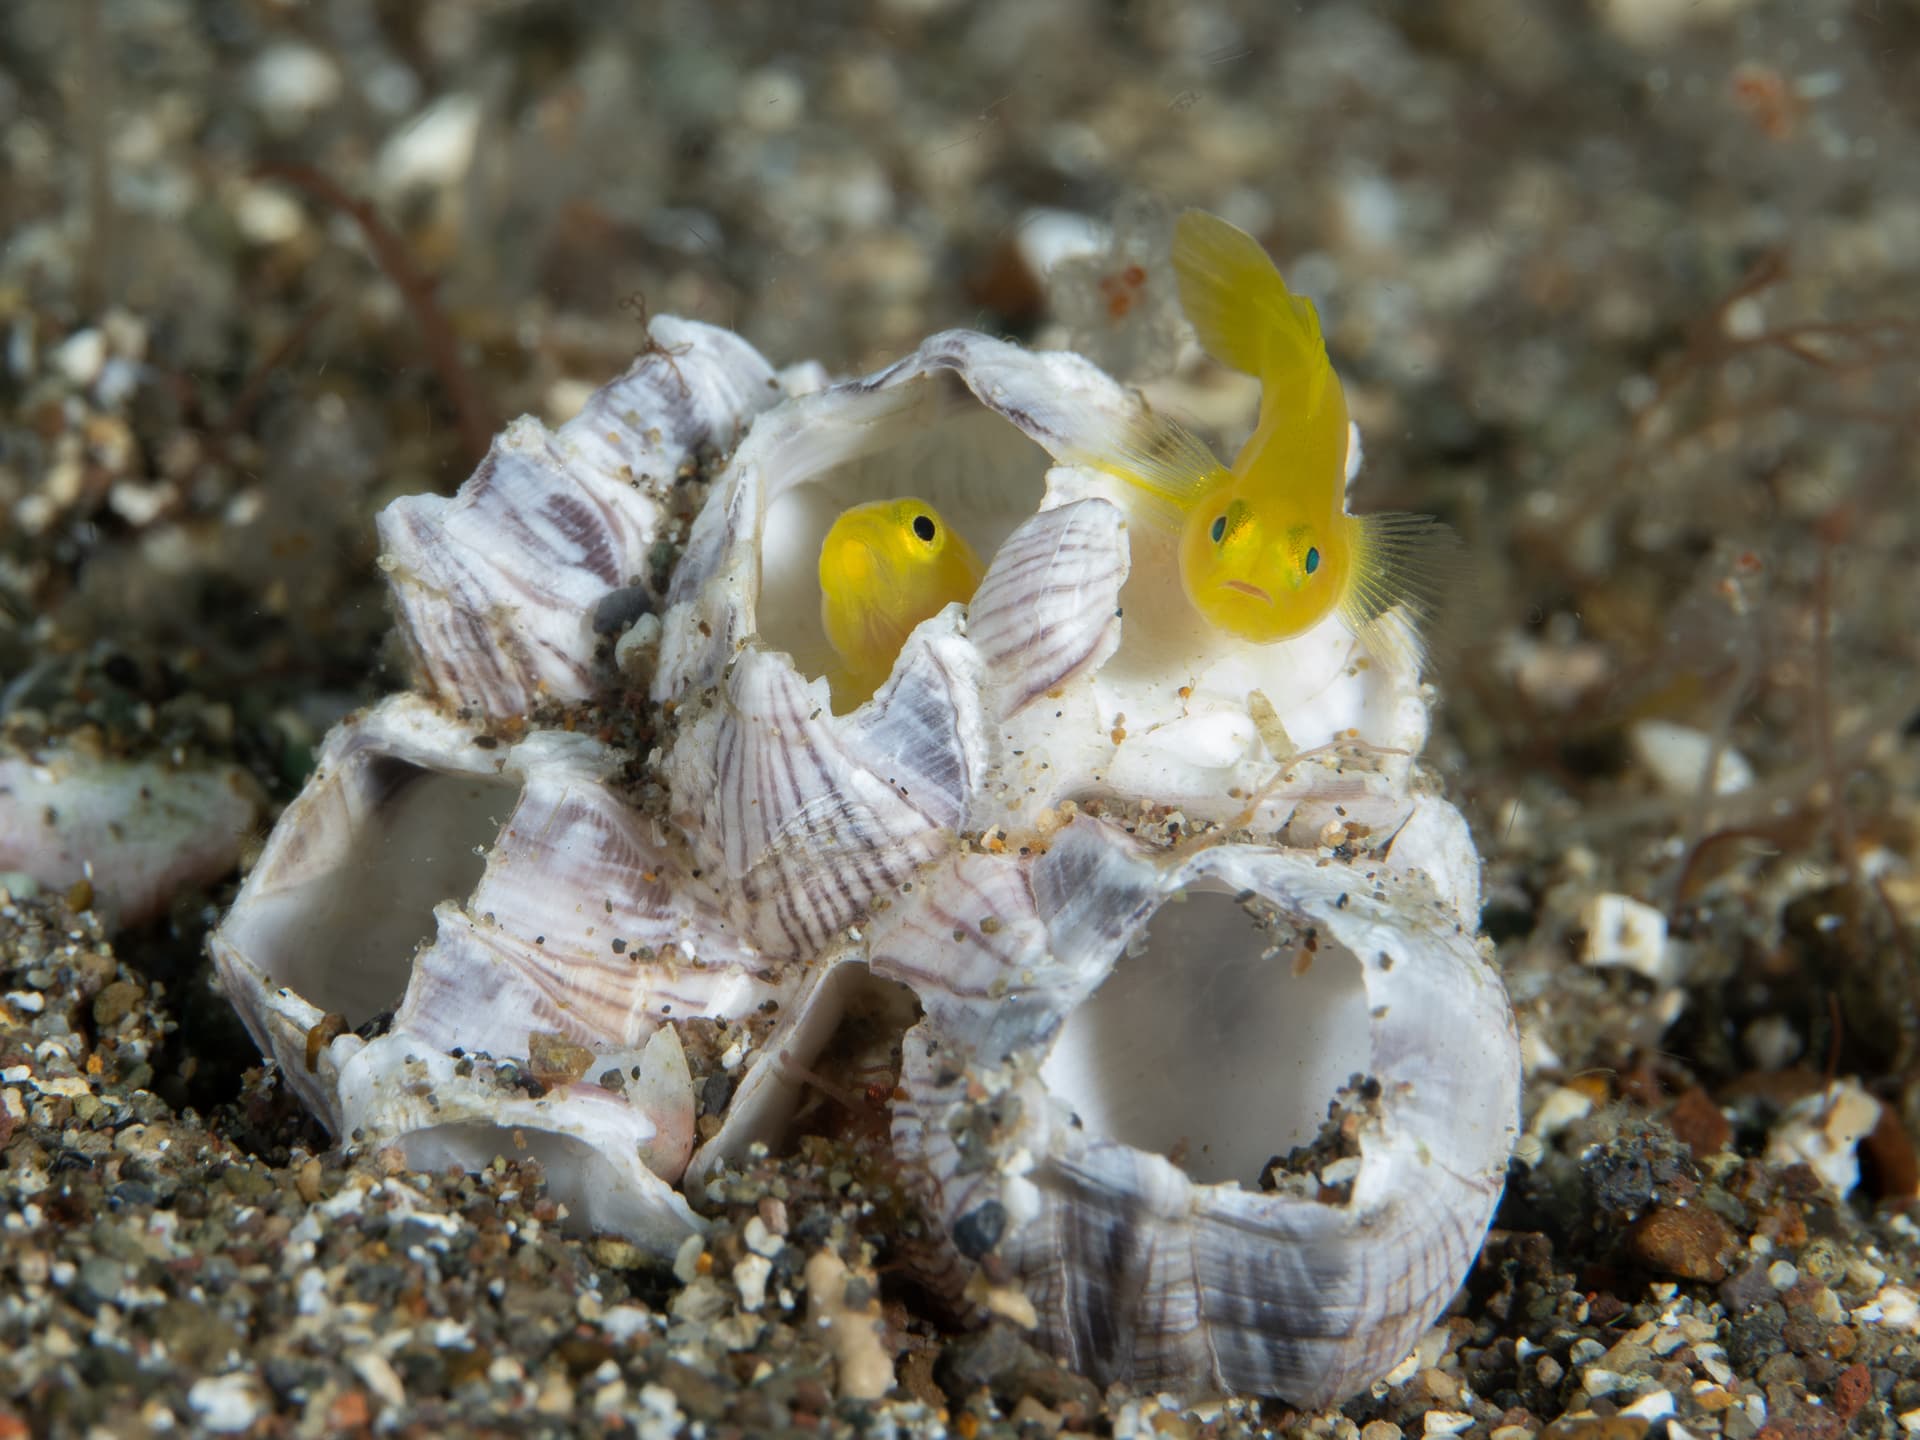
(715, 1092)
(980, 1229)
(582, 1354)
(1746, 1290)
(620, 608)
(1000, 1360)
(1698, 1123)
(290, 1378)
(1803, 1336)
(699, 1393)
(132, 1194)
(422, 1369)
(377, 1282)
(115, 1003)
(1755, 1336)
(108, 1367)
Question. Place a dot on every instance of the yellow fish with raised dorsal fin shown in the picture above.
(885, 567)
(1267, 549)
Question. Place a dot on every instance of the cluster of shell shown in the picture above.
(1231, 1114)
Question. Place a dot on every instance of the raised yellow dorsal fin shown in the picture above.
(1244, 313)
(1166, 464)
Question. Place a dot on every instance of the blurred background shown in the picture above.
(1625, 290)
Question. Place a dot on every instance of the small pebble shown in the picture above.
(228, 1404)
(1652, 1405)
(750, 1276)
(1600, 1382)
(1683, 1241)
(80, 356)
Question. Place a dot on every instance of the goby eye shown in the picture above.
(1313, 559)
(1219, 531)
(923, 527)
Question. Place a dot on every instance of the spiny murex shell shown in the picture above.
(1041, 826)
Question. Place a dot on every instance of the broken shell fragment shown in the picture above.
(138, 832)
(1200, 1070)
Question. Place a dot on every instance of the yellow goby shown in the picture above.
(885, 567)
(1267, 548)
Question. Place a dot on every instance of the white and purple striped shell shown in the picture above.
(1161, 897)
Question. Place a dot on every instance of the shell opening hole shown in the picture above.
(343, 937)
(1219, 1040)
(834, 1074)
(598, 1197)
(932, 440)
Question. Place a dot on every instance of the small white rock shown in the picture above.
(659, 1412)
(434, 150)
(1403, 1372)
(1678, 755)
(1653, 24)
(1561, 1108)
(686, 1260)
(750, 1276)
(1771, 1042)
(288, 82)
(772, 100)
(268, 215)
(1446, 1422)
(1044, 238)
(79, 357)
(228, 1404)
(634, 650)
(1895, 1307)
(1629, 932)
(1652, 1405)
(1600, 1381)
(1823, 1131)
(760, 1240)
(620, 1323)
(379, 1376)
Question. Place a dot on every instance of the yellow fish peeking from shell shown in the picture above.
(885, 567)
(1267, 549)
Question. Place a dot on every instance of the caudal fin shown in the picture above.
(1244, 313)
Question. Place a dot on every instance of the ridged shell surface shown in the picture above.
(1169, 906)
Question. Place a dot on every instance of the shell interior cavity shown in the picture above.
(1165, 938)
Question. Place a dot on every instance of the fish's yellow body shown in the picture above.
(1267, 549)
(885, 567)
